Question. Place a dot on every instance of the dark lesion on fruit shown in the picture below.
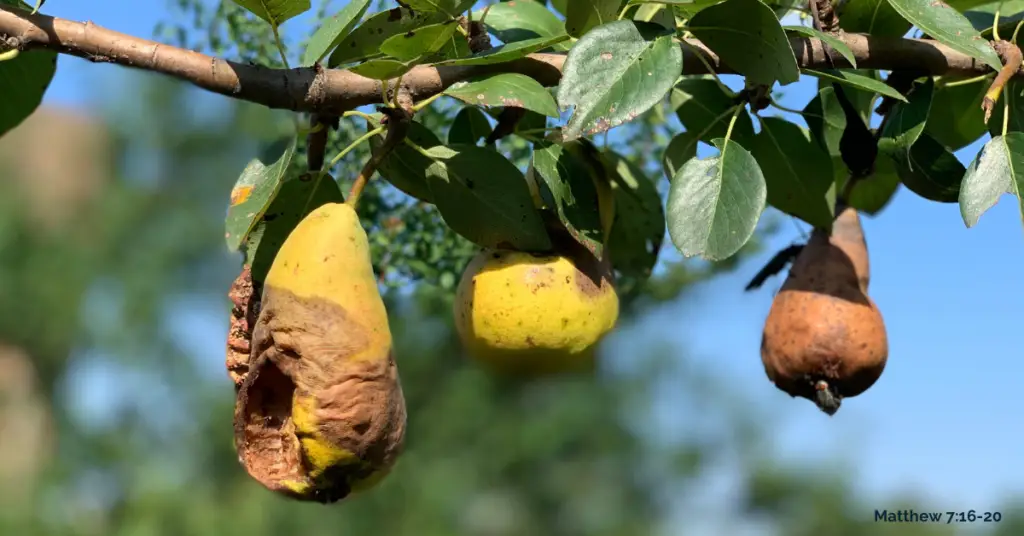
(304, 345)
(264, 433)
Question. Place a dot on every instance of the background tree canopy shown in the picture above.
(101, 275)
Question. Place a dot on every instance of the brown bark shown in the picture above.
(332, 91)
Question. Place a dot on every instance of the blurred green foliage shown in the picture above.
(485, 456)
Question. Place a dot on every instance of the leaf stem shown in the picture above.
(280, 45)
(732, 122)
(786, 109)
(995, 27)
(1013, 38)
(426, 102)
(9, 54)
(966, 81)
(324, 171)
(1006, 115)
(369, 118)
(354, 144)
(707, 65)
(418, 149)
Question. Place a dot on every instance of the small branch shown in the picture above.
(316, 140)
(1011, 56)
(507, 121)
(332, 91)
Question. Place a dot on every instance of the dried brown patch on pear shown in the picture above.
(824, 338)
(244, 310)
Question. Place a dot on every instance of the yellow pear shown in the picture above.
(526, 314)
(824, 339)
(321, 413)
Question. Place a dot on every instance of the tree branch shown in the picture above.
(332, 91)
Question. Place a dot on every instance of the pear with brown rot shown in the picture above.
(824, 339)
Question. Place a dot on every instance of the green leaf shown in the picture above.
(275, 12)
(508, 52)
(956, 119)
(754, 44)
(714, 204)
(864, 101)
(638, 229)
(679, 150)
(505, 89)
(333, 30)
(615, 73)
(826, 120)
(253, 192)
(949, 27)
(872, 193)
(23, 83)
(469, 127)
(422, 41)
(519, 21)
(365, 41)
(797, 172)
(406, 168)
(998, 169)
(484, 197)
(659, 14)
(872, 17)
(382, 69)
(283, 214)
(1013, 97)
(585, 15)
(858, 81)
(830, 39)
(930, 170)
(566, 185)
(449, 7)
(705, 109)
(907, 119)
(454, 48)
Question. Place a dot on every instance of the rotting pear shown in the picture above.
(320, 413)
(529, 315)
(824, 339)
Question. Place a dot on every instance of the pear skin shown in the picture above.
(824, 338)
(321, 413)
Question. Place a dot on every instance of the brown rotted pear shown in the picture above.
(824, 339)
(320, 412)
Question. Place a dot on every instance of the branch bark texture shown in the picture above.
(332, 91)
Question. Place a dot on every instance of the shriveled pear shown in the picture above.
(320, 412)
(824, 339)
(530, 315)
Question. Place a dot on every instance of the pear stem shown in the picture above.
(398, 120)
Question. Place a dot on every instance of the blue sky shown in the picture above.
(942, 422)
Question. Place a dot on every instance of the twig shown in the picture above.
(1011, 56)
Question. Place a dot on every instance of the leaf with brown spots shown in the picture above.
(616, 72)
(263, 183)
(505, 89)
